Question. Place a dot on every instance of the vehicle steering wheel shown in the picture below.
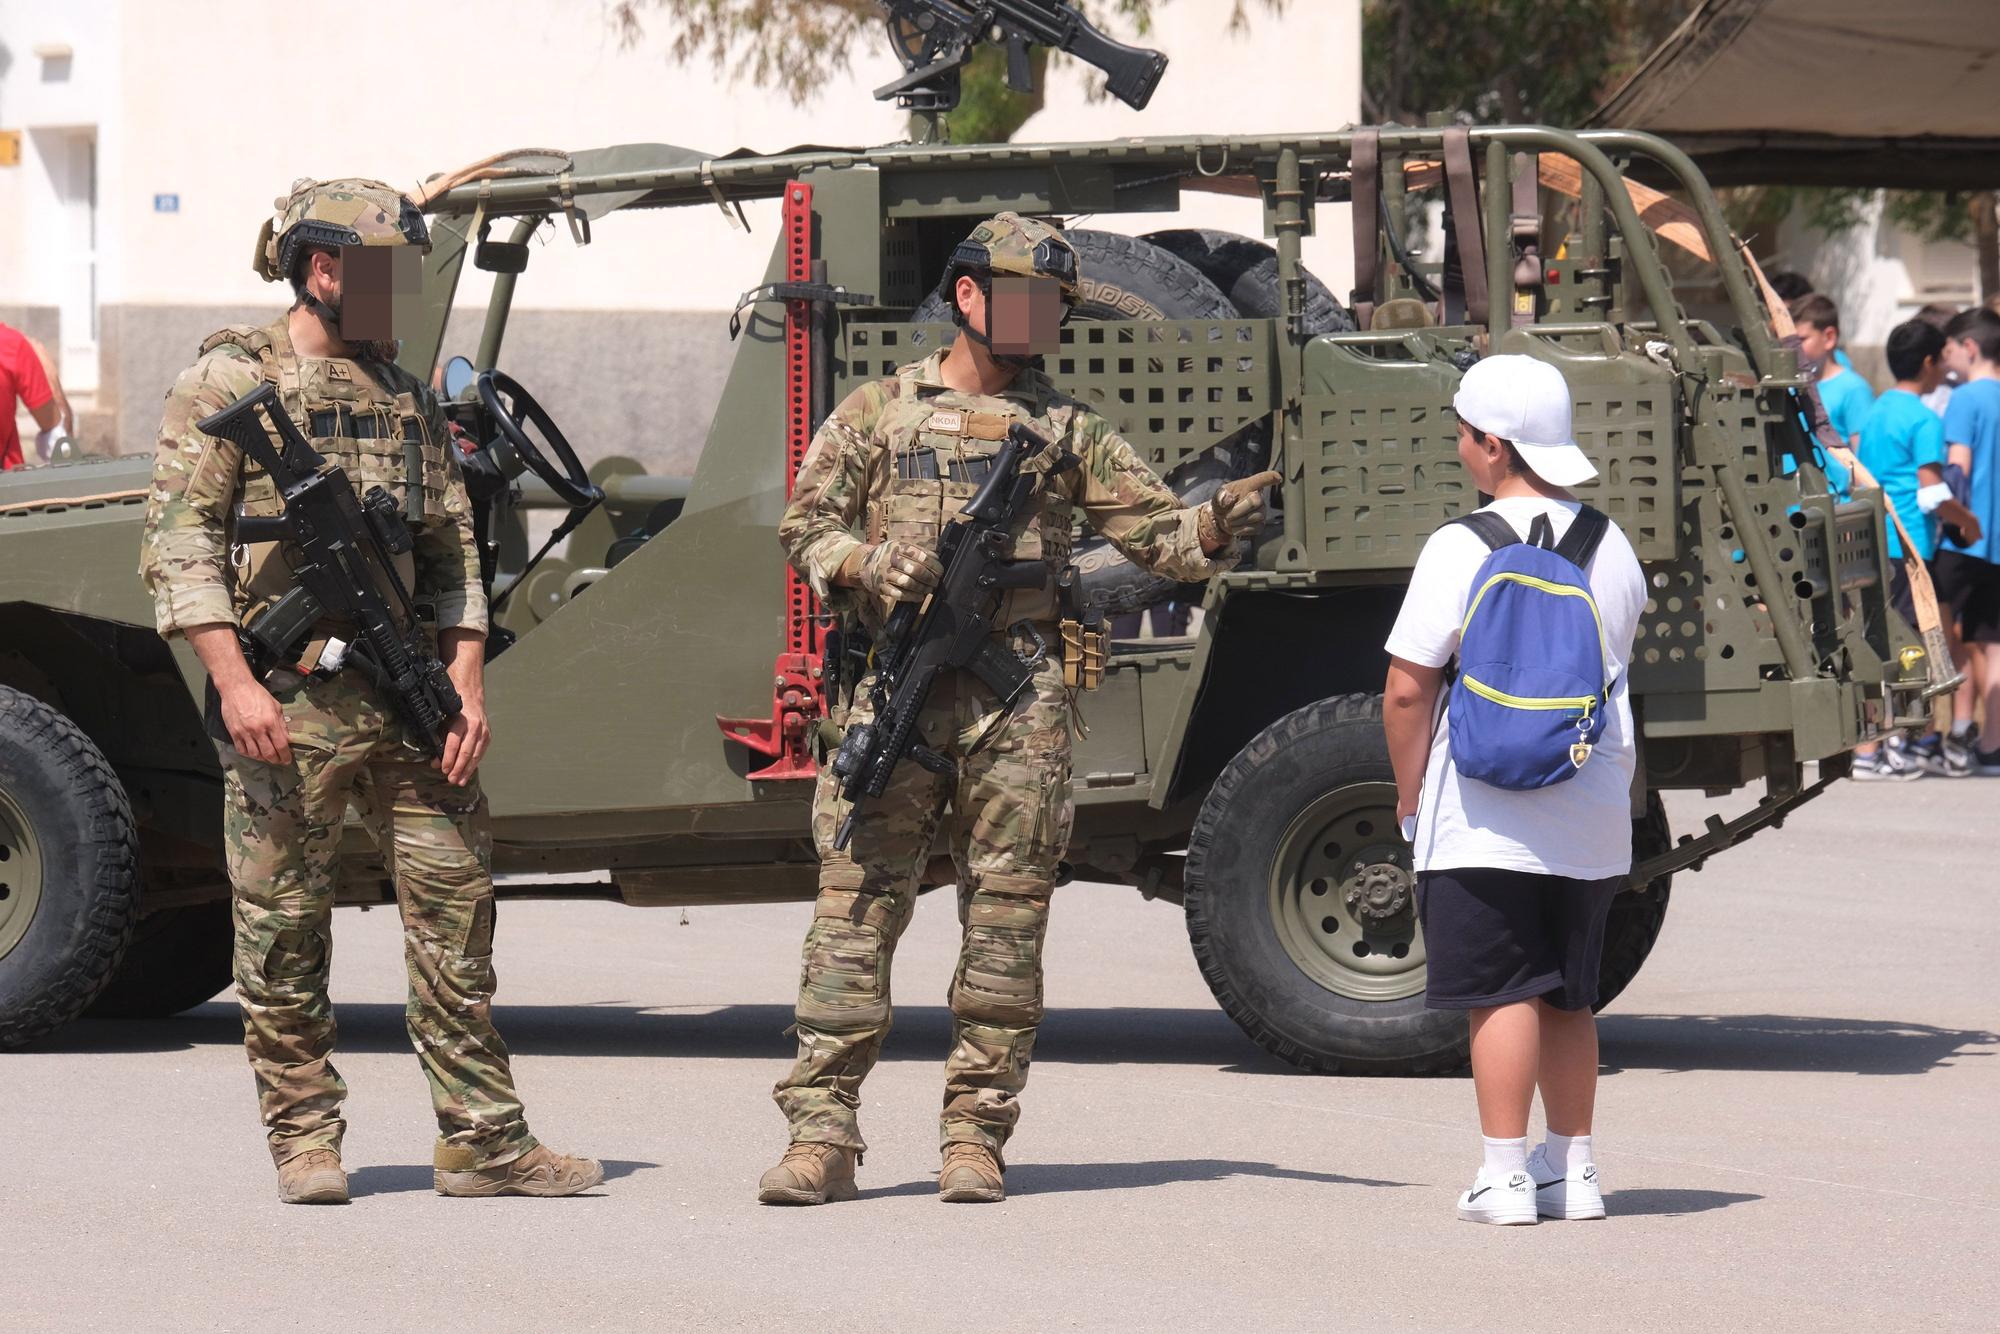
(510, 406)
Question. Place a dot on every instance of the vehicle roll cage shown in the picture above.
(1242, 164)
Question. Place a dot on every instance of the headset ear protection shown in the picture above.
(261, 262)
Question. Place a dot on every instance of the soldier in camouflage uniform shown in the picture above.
(885, 472)
(300, 745)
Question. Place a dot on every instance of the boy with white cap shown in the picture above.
(1514, 885)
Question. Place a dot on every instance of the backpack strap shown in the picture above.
(1493, 530)
(1541, 533)
(1586, 530)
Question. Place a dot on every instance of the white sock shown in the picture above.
(1570, 1153)
(1505, 1156)
(1961, 728)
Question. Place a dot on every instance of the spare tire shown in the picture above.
(1247, 272)
(1121, 278)
(1128, 278)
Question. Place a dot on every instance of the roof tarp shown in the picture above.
(1898, 93)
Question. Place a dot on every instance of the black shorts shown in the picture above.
(1902, 600)
(1968, 591)
(1495, 937)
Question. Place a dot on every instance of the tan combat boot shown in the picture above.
(539, 1171)
(810, 1173)
(312, 1177)
(970, 1175)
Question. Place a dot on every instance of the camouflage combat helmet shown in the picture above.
(1010, 243)
(332, 214)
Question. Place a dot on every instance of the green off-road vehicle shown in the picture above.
(659, 715)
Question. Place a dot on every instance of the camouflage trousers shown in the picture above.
(1010, 816)
(282, 831)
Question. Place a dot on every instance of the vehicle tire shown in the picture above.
(69, 856)
(1247, 272)
(1128, 278)
(1107, 584)
(178, 958)
(1637, 914)
(1301, 905)
(1123, 278)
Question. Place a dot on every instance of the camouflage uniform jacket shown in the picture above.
(358, 414)
(897, 458)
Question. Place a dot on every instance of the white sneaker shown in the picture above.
(1574, 1194)
(1506, 1202)
(1888, 763)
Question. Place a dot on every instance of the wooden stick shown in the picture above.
(1679, 225)
(55, 501)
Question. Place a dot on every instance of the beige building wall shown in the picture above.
(159, 131)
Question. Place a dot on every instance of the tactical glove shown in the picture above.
(1237, 510)
(897, 571)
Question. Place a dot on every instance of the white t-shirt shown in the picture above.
(1581, 828)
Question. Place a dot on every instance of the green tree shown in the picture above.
(792, 46)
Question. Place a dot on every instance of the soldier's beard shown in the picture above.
(384, 350)
(1014, 361)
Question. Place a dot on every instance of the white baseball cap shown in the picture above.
(1527, 402)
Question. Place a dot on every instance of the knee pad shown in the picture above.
(844, 967)
(999, 978)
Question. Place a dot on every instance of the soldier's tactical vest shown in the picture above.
(939, 458)
(357, 418)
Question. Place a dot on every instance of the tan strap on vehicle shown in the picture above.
(1463, 189)
(1365, 189)
(513, 162)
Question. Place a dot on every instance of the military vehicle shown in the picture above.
(658, 698)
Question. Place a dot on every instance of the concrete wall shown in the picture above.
(1879, 276)
(220, 107)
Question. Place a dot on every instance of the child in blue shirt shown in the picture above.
(1846, 395)
(1902, 441)
(1968, 578)
(1902, 446)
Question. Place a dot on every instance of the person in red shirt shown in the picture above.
(21, 377)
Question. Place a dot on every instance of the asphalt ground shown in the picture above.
(1797, 1124)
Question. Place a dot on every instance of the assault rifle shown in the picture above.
(342, 551)
(950, 628)
(933, 38)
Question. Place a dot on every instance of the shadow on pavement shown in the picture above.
(1091, 1036)
(1065, 1178)
(1670, 1203)
(922, 1032)
(398, 1178)
(1682, 1042)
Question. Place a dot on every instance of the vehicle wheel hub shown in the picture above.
(1379, 894)
(20, 873)
(1341, 897)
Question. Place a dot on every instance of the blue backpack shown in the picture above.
(1533, 671)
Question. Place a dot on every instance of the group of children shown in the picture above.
(1509, 726)
(1932, 442)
